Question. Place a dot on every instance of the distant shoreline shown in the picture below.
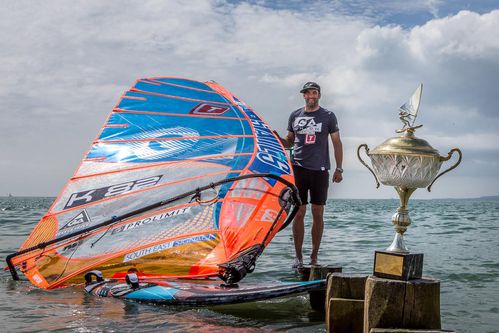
(484, 198)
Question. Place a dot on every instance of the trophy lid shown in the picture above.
(407, 144)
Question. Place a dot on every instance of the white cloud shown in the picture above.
(465, 35)
(433, 7)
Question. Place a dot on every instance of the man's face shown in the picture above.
(312, 97)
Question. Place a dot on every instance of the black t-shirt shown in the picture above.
(312, 129)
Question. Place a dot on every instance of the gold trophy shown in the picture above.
(406, 163)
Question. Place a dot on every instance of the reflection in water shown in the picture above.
(73, 310)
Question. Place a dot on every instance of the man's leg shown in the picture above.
(317, 229)
(299, 230)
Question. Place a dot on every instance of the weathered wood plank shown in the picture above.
(413, 304)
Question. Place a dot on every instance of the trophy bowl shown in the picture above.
(406, 161)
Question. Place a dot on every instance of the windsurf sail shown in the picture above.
(184, 180)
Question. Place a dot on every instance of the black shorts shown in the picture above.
(315, 181)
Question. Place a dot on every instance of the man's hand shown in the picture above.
(287, 142)
(337, 176)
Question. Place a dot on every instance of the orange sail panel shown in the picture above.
(184, 180)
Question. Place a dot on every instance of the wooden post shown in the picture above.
(345, 303)
(304, 273)
(413, 304)
(318, 297)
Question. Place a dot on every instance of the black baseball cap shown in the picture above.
(310, 85)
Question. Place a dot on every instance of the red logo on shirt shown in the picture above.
(309, 139)
(209, 109)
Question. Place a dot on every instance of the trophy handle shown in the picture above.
(362, 161)
(446, 158)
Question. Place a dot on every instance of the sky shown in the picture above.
(64, 65)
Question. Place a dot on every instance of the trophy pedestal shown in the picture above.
(398, 266)
(409, 306)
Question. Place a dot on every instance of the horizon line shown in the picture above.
(344, 198)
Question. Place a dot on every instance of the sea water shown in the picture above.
(459, 239)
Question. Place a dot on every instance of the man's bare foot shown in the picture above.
(297, 264)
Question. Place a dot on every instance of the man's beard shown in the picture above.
(312, 103)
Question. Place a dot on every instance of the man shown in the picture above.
(308, 130)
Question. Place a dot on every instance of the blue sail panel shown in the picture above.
(128, 126)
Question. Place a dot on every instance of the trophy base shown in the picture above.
(398, 266)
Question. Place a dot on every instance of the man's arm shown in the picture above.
(288, 141)
(338, 156)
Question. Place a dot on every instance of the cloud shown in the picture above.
(68, 63)
(463, 36)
